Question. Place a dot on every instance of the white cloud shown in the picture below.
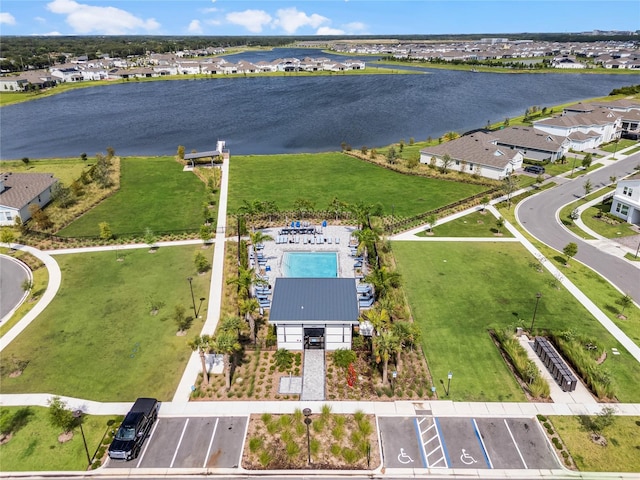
(7, 19)
(210, 10)
(40, 20)
(291, 19)
(85, 19)
(213, 21)
(252, 20)
(194, 27)
(329, 31)
(48, 34)
(354, 27)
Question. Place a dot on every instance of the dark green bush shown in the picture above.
(344, 357)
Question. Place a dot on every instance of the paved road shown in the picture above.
(534, 214)
(12, 275)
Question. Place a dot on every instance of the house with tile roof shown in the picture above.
(626, 199)
(477, 153)
(20, 190)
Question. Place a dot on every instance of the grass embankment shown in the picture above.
(619, 455)
(35, 447)
(475, 224)
(40, 282)
(458, 291)
(320, 177)
(154, 193)
(98, 340)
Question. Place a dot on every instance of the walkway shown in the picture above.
(313, 375)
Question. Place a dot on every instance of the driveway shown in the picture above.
(534, 214)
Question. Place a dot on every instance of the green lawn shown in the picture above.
(617, 146)
(632, 151)
(457, 291)
(321, 177)
(97, 339)
(620, 454)
(565, 212)
(64, 169)
(475, 224)
(35, 445)
(155, 193)
(601, 225)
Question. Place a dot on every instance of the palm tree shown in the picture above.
(259, 237)
(408, 334)
(366, 240)
(230, 324)
(226, 342)
(248, 308)
(383, 280)
(202, 345)
(379, 318)
(384, 346)
(245, 279)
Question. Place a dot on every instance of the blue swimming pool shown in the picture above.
(310, 264)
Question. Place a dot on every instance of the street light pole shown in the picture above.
(538, 296)
(193, 300)
(307, 421)
(77, 414)
(449, 375)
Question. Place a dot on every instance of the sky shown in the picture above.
(313, 17)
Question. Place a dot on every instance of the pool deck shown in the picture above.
(274, 252)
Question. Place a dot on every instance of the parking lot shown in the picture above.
(191, 442)
(462, 442)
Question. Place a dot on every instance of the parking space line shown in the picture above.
(147, 445)
(447, 460)
(422, 452)
(484, 448)
(175, 454)
(515, 444)
(213, 435)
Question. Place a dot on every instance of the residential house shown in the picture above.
(477, 153)
(314, 312)
(533, 144)
(626, 199)
(13, 83)
(584, 130)
(20, 190)
(566, 61)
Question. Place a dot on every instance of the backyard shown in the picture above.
(496, 284)
(319, 178)
(154, 193)
(98, 339)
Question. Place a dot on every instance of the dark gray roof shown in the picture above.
(314, 299)
(21, 188)
(193, 156)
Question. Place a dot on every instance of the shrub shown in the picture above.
(350, 456)
(283, 359)
(335, 449)
(265, 458)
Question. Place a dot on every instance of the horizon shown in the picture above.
(309, 18)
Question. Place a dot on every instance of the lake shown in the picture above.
(266, 115)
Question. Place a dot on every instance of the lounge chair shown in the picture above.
(312, 240)
(337, 240)
(297, 239)
(328, 240)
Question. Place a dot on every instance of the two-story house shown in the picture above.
(626, 199)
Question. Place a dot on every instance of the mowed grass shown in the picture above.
(34, 446)
(475, 224)
(457, 291)
(620, 454)
(154, 193)
(64, 169)
(319, 178)
(97, 339)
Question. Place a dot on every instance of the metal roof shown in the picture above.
(314, 299)
(193, 156)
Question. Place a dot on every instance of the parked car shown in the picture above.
(134, 429)
(537, 169)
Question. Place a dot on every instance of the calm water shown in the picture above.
(280, 114)
(310, 264)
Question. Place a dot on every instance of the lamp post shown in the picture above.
(307, 421)
(573, 166)
(538, 296)
(193, 299)
(77, 414)
(449, 375)
(202, 299)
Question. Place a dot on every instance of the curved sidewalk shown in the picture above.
(53, 285)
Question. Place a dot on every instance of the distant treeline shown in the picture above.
(630, 90)
(21, 53)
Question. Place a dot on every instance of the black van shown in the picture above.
(537, 169)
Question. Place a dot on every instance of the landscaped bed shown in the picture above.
(98, 340)
(341, 442)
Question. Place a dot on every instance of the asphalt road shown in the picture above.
(537, 216)
(12, 274)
